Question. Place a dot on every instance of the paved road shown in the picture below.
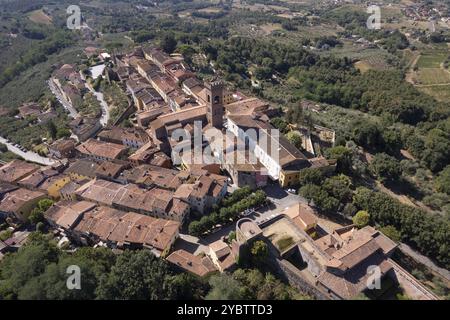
(105, 108)
(66, 104)
(28, 155)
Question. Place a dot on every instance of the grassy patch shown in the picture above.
(433, 76)
(431, 60)
(440, 93)
(284, 243)
(39, 16)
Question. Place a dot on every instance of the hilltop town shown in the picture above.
(117, 187)
(236, 150)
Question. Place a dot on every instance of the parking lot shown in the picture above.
(280, 199)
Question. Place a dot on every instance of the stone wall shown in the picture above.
(412, 287)
(290, 273)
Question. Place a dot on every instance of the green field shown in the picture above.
(429, 76)
(441, 93)
(431, 60)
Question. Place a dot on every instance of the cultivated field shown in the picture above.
(431, 59)
(375, 62)
(429, 76)
(39, 16)
(439, 92)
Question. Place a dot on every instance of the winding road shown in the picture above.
(105, 108)
(28, 155)
(66, 104)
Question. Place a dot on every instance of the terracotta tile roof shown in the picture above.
(14, 200)
(109, 169)
(302, 215)
(118, 134)
(220, 248)
(183, 116)
(50, 181)
(127, 227)
(83, 125)
(37, 178)
(101, 149)
(355, 281)
(147, 174)
(192, 82)
(288, 154)
(70, 188)
(6, 187)
(16, 170)
(83, 167)
(225, 256)
(130, 197)
(67, 213)
(197, 265)
(30, 109)
(63, 145)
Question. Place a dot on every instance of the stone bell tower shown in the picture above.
(214, 101)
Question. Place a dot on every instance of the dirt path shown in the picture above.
(410, 74)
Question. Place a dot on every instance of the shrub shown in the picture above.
(361, 218)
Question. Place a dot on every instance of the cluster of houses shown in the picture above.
(425, 11)
(113, 189)
(118, 186)
(168, 97)
(131, 169)
(34, 111)
(70, 83)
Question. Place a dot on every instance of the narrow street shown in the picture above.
(66, 104)
(97, 71)
(105, 108)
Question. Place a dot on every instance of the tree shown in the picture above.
(185, 286)
(259, 251)
(295, 139)
(37, 214)
(367, 134)
(385, 167)
(62, 133)
(310, 176)
(391, 232)
(343, 156)
(195, 228)
(339, 187)
(361, 218)
(51, 128)
(224, 287)
(168, 43)
(30, 261)
(280, 124)
(44, 204)
(137, 275)
(443, 181)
